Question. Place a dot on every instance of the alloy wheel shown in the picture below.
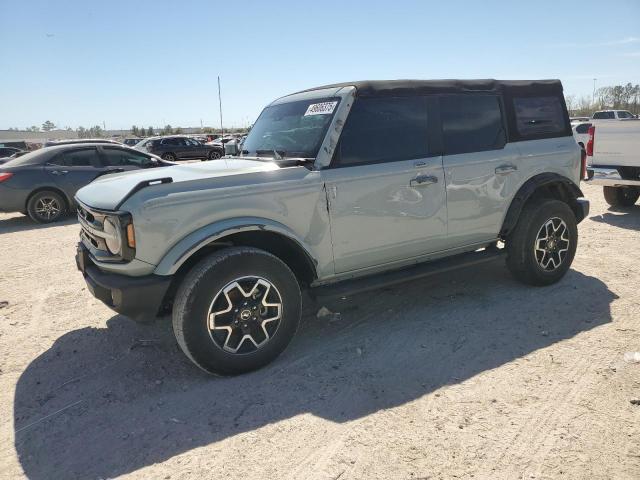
(244, 315)
(552, 244)
(48, 208)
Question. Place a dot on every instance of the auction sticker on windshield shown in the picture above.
(324, 108)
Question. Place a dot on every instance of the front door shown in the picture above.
(386, 193)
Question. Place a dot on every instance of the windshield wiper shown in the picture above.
(277, 155)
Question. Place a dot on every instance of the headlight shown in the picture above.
(113, 236)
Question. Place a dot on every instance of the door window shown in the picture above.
(471, 123)
(384, 129)
(604, 116)
(115, 157)
(77, 158)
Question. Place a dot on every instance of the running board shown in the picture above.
(373, 282)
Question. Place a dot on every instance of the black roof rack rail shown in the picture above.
(141, 185)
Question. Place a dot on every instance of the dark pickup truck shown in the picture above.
(182, 148)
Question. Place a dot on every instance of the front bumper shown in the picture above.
(608, 177)
(139, 298)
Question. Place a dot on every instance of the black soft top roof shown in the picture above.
(395, 88)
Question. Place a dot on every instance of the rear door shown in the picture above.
(73, 169)
(481, 168)
(385, 185)
(195, 148)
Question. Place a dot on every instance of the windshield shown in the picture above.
(294, 129)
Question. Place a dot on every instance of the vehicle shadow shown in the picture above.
(103, 402)
(622, 217)
(21, 223)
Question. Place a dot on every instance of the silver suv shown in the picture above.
(338, 189)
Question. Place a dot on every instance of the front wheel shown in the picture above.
(214, 155)
(236, 310)
(46, 207)
(621, 196)
(169, 157)
(541, 248)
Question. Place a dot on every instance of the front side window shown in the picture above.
(384, 129)
(115, 157)
(537, 116)
(294, 129)
(471, 123)
(625, 114)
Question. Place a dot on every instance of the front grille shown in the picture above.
(92, 234)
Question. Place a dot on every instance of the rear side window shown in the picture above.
(539, 116)
(384, 130)
(78, 158)
(604, 116)
(471, 123)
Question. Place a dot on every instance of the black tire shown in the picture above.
(621, 196)
(201, 288)
(169, 157)
(214, 155)
(524, 261)
(46, 206)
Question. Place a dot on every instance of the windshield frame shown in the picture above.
(281, 154)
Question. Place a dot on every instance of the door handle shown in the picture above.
(423, 181)
(505, 169)
(60, 172)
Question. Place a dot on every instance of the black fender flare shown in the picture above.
(559, 186)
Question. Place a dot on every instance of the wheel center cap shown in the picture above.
(245, 314)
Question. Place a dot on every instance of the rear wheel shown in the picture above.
(236, 310)
(214, 155)
(170, 157)
(621, 196)
(541, 248)
(46, 207)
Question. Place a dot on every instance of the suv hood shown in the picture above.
(107, 191)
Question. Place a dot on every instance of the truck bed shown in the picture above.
(617, 143)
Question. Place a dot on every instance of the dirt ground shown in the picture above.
(464, 375)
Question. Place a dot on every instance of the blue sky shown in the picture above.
(155, 62)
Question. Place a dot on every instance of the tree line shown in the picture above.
(617, 97)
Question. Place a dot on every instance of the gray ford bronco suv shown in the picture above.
(338, 189)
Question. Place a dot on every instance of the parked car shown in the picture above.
(42, 184)
(341, 189)
(176, 147)
(6, 152)
(73, 141)
(15, 155)
(130, 142)
(581, 133)
(613, 115)
(613, 153)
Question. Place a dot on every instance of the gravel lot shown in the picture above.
(464, 375)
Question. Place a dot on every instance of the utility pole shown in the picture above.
(220, 103)
(593, 98)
